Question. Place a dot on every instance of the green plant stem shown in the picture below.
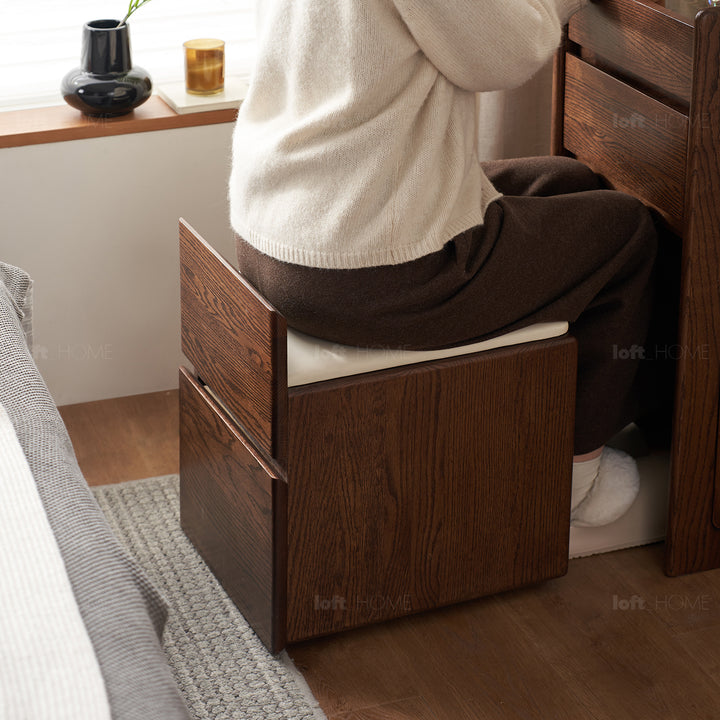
(132, 7)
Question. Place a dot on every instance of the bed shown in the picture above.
(80, 623)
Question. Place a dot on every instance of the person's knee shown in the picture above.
(638, 218)
(577, 176)
(573, 168)
(541, 176)
(635, 233)
(625, 215)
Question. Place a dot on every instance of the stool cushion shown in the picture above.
(311, 359)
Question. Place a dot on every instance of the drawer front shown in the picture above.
(233, 507)
(647, 44)
(636, 142)
(236, 342)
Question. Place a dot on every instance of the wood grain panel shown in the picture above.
(693, 541)
(445, 481)
(637, 143)
(236, 341)
(233, 507)
(648, 44)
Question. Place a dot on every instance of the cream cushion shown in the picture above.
(310, 359)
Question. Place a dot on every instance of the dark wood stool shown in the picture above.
(354, 500)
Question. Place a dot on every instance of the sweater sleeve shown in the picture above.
(482, 45)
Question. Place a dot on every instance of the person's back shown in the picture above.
(357, 143)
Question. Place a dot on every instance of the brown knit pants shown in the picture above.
(556, 246)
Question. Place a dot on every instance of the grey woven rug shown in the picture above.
(221, 667)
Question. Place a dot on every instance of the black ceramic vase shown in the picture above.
(106, 83)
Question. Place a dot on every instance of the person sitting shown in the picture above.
(365, 215)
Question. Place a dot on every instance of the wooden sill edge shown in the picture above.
(61, 122)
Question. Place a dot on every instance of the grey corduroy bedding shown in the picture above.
(122, 612)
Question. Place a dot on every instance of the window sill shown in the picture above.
(61, 122)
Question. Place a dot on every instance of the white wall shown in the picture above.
(94, 222)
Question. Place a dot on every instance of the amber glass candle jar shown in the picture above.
(204, 66)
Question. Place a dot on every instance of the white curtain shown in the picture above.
(516, 123)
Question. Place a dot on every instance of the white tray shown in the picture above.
(182, 102)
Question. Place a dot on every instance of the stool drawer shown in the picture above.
(233, 507)
(636, 142)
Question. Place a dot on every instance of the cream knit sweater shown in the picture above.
(356, 144)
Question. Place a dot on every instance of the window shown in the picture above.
(40, 40)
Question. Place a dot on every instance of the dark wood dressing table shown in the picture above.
(637, 98)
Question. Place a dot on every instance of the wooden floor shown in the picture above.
(613, 639)
(125, 438)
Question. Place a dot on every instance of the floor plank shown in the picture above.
(683, 604)
(619, 659)
(125, 438)
(415, 708)
(569, 648)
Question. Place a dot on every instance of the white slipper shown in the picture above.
(612, 493)
(584, 475)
